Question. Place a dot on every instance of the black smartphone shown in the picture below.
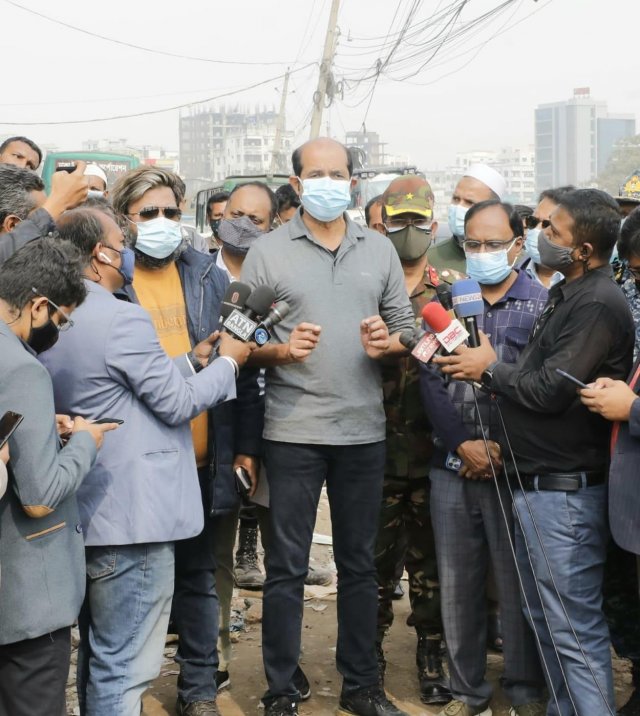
(8, 424)
(243, 482)
(69, 169)
(568, 376)
(102, 421)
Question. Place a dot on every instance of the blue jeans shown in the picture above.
(354, 476)
(573, 529)
(123, 625)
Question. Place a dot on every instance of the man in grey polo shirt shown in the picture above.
(324, 418)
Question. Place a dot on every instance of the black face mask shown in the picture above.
(214, 224)
(44, 337)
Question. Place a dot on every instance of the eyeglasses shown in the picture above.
(471, 246)
(153, 212)
(62, 327)
(421, 224)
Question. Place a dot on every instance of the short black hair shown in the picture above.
(81, 227)
(16, 187)
(629, 242)
(556, 194)
(216, 198)
(596, 219)
(268, 192)
(287, 198)
(52, 266)
(25, 140)
(515, 220)
(370, 204)
(524, 210)
(296, 159)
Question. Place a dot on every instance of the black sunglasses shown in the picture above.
(531, 222)
(152, 212)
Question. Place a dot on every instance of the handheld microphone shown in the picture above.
(443, 294)
(277, 313)
(422, 345)
(449, 333)
(468, 303)
(241, 320)
(235, 297)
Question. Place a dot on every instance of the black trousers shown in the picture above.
(33, 675)
(354, 475)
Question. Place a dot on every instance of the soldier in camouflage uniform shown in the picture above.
(405, 536)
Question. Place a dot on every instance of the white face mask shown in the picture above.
(457, 212)
(158, 237)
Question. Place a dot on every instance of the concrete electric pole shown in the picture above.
(325, 70)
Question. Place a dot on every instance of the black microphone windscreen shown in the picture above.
(235, 296)
(260, 300)
(443, 292)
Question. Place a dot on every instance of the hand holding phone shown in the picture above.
(8, 424)
(570, 377)
(243, 482)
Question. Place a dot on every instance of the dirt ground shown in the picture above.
(318, 661)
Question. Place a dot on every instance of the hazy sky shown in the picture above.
(52, 73)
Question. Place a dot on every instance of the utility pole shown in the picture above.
(277, 141)
(325, 70)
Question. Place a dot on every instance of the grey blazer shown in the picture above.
(41, 543)
(144, 485)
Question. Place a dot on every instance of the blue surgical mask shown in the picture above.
(159, 237)
(531, 245)
(489, 267)
(456, 219)
(324, 198)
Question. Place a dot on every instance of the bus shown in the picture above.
(114, 165)
(202, 197)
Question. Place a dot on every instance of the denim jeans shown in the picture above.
(195, 611)
(573, 530)
(354, 476)
(123, 625)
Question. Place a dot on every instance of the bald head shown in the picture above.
(322, 157)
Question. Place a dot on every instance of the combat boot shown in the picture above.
(247, 573)
(434, 688)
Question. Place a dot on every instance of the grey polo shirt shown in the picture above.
(335, 396)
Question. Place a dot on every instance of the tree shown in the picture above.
(624, 160)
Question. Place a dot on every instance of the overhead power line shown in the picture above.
(133, 46)
(159, 111)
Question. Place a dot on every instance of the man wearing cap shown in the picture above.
(97, 180)
(479, 183)
(405, 536)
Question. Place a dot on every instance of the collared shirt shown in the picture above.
(223, 266)
(451, 406)
(586, 329)
(335, 396)
(530, 267)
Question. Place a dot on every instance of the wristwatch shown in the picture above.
(487, 376)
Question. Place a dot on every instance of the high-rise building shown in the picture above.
(223, 142)
(575, 138)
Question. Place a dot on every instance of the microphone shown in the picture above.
(235, 297)
(443, 293)
(468, 303)
(449, 333)
(277, 313)
(241, 320)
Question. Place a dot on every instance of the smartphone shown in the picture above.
(69, 170)
(102, 421)
(568, 376)
(243, 482)
(8, 424)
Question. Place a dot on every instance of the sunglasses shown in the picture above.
(532, 221)
(153, 212)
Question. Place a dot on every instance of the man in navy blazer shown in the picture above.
(143, 492)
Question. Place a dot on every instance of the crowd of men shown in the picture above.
(495, 473)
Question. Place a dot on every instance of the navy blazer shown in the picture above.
(624, 481)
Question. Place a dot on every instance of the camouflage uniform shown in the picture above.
(405, 535)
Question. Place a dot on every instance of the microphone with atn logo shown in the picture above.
(235, 297)
(241, 321)
(468, 303)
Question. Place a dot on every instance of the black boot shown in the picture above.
(434, 688)
(247, 573)
(367, 701)
(382, 663)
